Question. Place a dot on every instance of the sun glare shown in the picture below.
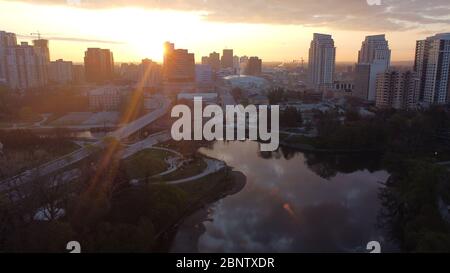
(142, 30)
(148, 49)
(137, 33)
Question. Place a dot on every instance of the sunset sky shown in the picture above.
(275, 30)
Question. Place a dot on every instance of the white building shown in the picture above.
(107, 98)
(432, 64)
(373, 58)
(375, 48)
(249, 84)
(7, 40)
(27, 67)
(322, 59)
(23, 66)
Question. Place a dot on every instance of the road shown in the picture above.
(46, 168)
(141, 122)
(147, 143)
(65, 177)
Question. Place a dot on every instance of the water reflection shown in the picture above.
(292, 202)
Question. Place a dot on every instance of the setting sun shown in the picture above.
(150, 49)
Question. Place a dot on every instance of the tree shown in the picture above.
(276, 96)
(237, 93)
(352, 115)
(7, 224)
(6, 102)
(410, 205)
(121, 237)
(51, 195)
(291, 117)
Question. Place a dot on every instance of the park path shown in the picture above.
(213, 166)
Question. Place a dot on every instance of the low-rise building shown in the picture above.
(207, 98)
(346, 86)
(107, 98)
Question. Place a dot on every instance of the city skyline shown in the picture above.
(153, 126)
(132, 37)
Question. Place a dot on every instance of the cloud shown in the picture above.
(343, 14)
(73, 39)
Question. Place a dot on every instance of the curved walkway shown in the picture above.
(174, 162)
(213, 166)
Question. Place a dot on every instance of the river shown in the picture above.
(292, 202)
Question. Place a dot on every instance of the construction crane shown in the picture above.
(38, 34)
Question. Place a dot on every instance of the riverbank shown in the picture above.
(308, 148)
(188, 225)
(314, 145)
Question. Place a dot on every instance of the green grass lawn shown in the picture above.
(195, 167)
(186, 148)
(147, 163)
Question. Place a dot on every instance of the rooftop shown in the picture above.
(247, 82)
(441, 36)
(107, 89)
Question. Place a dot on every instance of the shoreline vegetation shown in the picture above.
(232, 183)
(24, 150)
(103, 210)
(412, 144)
(109, 214)
(192, 227)
(424, 133)
(411, 205)
(309, 148)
